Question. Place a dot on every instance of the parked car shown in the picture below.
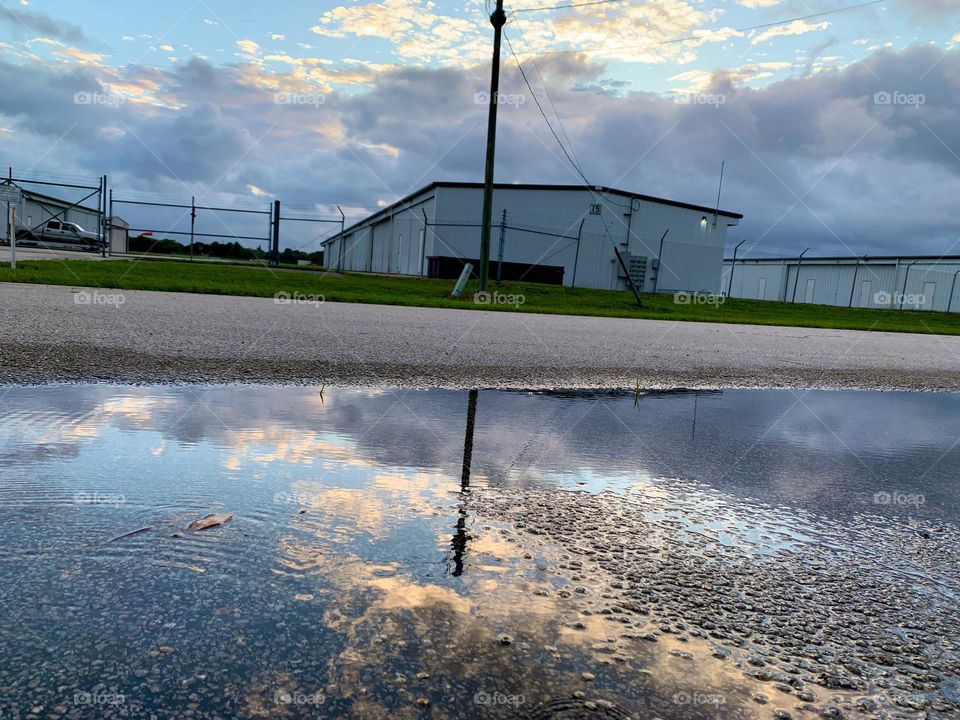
(59, 232)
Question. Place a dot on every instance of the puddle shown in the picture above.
(736, 554)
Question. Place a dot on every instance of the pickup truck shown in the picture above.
(60, 232)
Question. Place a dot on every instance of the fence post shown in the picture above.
(576, 257)
(276, 232)
(193, 222)
(110, 221)
(503, 232)
(340, 243)
(102, 205)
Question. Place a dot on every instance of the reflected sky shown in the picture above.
(824, 451)
(359, 573)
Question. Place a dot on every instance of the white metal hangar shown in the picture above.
(561, 234)
(894, 282)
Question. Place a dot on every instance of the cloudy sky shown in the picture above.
(840, 130)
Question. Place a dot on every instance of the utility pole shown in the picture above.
(497, 18)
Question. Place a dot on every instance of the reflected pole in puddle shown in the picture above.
(459, 542)
(693, 431)
(468, 441)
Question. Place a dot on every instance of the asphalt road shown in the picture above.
(52, 333)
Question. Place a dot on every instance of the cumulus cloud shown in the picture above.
(797, 27)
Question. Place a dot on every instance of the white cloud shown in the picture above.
(797, 27)
(757, 3)
(248, 47)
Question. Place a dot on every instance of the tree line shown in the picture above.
(228, 250)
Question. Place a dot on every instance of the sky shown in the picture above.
(839, 131)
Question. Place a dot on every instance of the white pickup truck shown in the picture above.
(59, 232)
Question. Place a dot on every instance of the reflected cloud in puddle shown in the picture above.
(401, 552)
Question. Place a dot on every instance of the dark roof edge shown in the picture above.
(598, 188)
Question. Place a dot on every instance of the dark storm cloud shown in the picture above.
(31, 23)
(819, 160)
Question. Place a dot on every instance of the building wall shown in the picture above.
(119, 235)
(925, 285)
(398, 240)
(693, 250)
(33, 211)
(388, 243)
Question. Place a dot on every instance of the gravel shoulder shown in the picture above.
(48, 334)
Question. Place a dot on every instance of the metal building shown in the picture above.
(35, 208)
(907, 282)
(548, 233)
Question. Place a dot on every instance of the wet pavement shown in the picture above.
(453, 554)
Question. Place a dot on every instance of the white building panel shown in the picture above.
(908, 283)
(572, 228)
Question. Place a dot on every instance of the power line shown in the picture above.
(687, 38)
(564, 7)
(546, 90)
(536, 100)
(590, 188)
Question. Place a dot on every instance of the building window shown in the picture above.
(703, 224)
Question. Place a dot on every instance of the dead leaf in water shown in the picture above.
(210, 521)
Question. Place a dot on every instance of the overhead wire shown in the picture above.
(546, 91)
(564, 7)
(571, 159)
(589, 186)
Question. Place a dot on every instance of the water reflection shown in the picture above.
(395, 553)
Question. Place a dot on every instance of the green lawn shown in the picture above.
(221, 279)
